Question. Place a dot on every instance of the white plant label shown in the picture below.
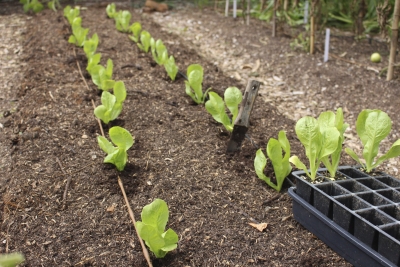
(326, 52)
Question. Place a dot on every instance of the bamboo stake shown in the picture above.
(274, 20)
(312, 34)
(144, 249)
(248, 13)
(395, 36)
(226, 8)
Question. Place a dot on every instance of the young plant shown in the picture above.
(11, 260)
(122, 20)
(151, 228)
(123, 141)
(93, 61)
(318, 144)
(326, 121)
(110, 10)
(372, 127)
(193, 85)
(159, 51)
(54, 4)
(111, 105)
(79, 34)
(216, 106)
(71, 13)
(135, 28)
(90, 45)
(144, 44)
(35, 5)
(102, 77)
(280, 162)
(171, 67)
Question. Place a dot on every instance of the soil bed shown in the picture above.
(178, 155)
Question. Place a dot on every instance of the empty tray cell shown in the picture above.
(352, 186)
(366, 226)
(390, 181)
(390, 194)
(389, 243)
(343, 211)
(352, 173)
(374, 199)
(332, 189)
(372, 183)
(392, 211)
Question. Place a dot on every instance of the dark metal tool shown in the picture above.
(241, 124)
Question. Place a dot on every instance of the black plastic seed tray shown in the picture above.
(357, 215)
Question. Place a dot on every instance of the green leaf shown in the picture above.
(110, 10)
(109, 69)
(93, 61)
(171, 68)
(120, 91)
(216, 107)
(121, 137)
(145, 39)
(11, 260)
(233, 97)
(195, 79)
(393, 152)
(260, 162)
(135, 28)
(354, 156)
(156, 214)
(151, 228)
(372, 127)
(299, 165)
(101, 113)
(122, 20)
(307, 130)
(106, 145)
(90, 45)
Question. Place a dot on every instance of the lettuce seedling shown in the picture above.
(90, 45)
(151, 228)
(326, 121)
(71, 13)
(111, 105)
(171, 67)
(144, 44)
(135, 28)
(318, 144)
(93, 61)
(159, 51)
(216, 106)
(102, 77)
(11, 260)
(122, 20)
(372, 127)
(280, 162)
(79, 34)
(53, 5)
(193, 85)
(110, 10)
(35, 5)
(123, 141)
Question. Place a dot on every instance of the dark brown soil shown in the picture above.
(178, 155)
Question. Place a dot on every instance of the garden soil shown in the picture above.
(62, 206)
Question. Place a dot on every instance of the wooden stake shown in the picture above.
(248, 13)
(312, 33)
(395, 36)
(274, 20)
(226, 8)
(144, 249)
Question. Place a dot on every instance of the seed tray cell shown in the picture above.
(353, 186)
(352, 172)
(372, 183)
(374, 199)
(359, 217)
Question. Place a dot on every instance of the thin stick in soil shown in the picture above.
(145, 252)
